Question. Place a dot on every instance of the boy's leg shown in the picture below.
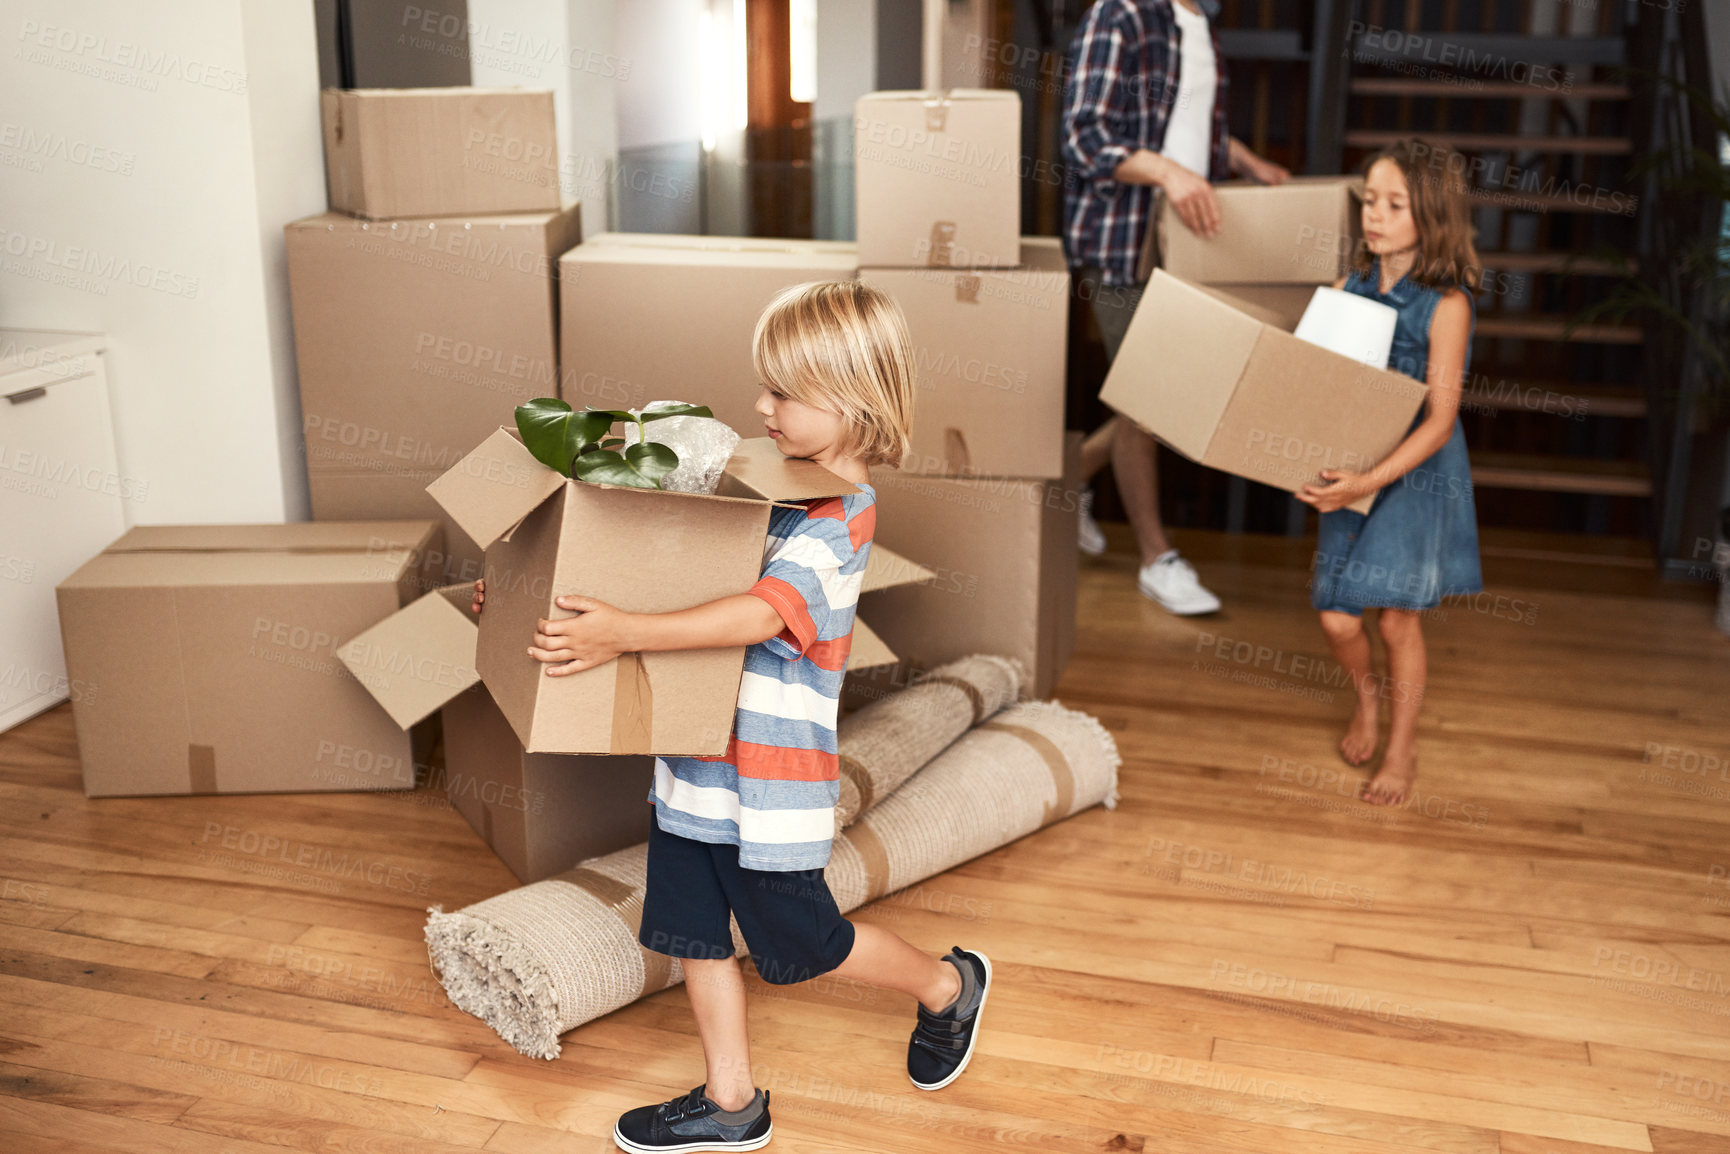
(717, 993)
(1408, 670)
(885, 959)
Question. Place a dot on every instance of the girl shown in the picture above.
(1419, 541)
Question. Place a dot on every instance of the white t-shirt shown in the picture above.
(1189, 131)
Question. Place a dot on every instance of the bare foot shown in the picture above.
(1393, 781)
(1359, 743)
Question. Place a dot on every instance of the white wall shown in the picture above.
(846, 56)
(568, 46)
(149, 157)
(659, 105)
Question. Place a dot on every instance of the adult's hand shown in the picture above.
(1193, 200)
(1264, 171)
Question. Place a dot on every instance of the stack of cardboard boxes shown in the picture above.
(988, 497)
(426, 303)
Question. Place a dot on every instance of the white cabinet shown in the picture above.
(62, 500)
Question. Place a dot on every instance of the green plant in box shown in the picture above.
(579, 443)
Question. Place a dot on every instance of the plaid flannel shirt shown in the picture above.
(1118, 96)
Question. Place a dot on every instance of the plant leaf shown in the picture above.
(612, 442)
(678, 411)
(653, 460)
(608, 468)
(544, 424)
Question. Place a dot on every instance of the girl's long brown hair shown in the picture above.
(1436, 179)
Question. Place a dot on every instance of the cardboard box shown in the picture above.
(647, 318)
(989, 349)
(206, 656)
(1003, 553)
(1280, 305)
(408, 152)
(412, 338)
(642, 550)
(1238, 394)
(542, 813)
(937, 178)
(1302, 232)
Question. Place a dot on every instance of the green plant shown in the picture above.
(578, 443)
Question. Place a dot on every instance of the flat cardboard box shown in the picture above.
(226, 679)
(1238, 394)
(937, 178)
(413, 338)
(415, 152)
(1003, 553)
(1302, 232)
(658, 318)
(989, 349)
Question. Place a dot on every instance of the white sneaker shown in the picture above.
(1092, 536)
(1171, 581)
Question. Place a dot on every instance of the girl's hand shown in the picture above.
(1345, 488)
(480, 596)
(573, 644)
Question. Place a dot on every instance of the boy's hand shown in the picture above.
(480, 596)
(1345, 487)
(573, 644)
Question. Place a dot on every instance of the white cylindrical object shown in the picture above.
(1350, 325)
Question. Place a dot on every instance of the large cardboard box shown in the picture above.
(647, 318)
(1302, 232)
(542, 813)
(1236, 393)
(413, 338)
(642, 550)
(937, 178)
(207, 657)
(989, 351)
(1003, 554)
(408, 152)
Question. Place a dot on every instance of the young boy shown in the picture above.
(749, 832)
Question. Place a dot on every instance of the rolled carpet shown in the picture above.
(886, 742)
(537, 961)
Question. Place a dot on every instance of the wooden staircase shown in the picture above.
(1555, 411)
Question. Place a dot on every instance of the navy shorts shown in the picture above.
(792, 926)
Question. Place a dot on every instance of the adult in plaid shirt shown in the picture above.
(1144, 107)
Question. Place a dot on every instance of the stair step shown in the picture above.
(1564, 399)
(1541, 328)
(1595, 200)
(1495, 141)
(1490, 54)
(1466, 88)
(1560, 475)
(1572, 263)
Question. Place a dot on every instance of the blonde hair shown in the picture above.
(1436, 179)
(842, 346)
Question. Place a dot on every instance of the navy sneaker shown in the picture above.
(942, 1042)
(694, 1122)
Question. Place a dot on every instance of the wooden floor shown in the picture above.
(1533, 959)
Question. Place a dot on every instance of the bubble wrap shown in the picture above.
(704, 445)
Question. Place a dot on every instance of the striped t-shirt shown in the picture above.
(773, 792)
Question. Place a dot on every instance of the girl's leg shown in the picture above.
(717, 993)
(1350, 643)
(887, 960)
(1408, 670)
(1096, 450)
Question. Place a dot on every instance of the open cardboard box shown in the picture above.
(1214, 379)
(642, 550)
(1302, 232)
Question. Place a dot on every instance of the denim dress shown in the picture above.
(1419, 541)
